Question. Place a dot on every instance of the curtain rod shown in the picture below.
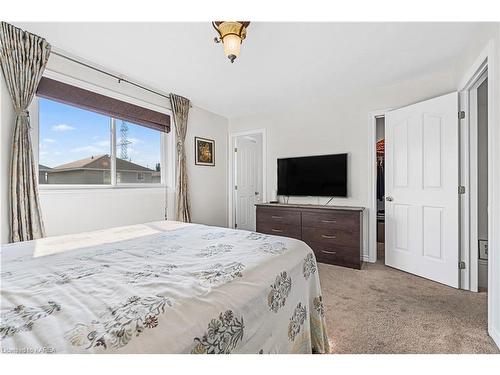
(120, 79)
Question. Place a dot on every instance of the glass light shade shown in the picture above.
(232, 44)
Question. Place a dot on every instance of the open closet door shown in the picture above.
(421, 181)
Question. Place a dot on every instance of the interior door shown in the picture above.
(421, 179)
(248, 185)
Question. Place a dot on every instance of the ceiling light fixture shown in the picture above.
(231, 34)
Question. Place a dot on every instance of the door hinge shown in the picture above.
(461, 265)
(236, 149)
(461, 190)
(235, 187)
(235, 225)
(461, 115)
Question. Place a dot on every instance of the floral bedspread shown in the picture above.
(162, 287)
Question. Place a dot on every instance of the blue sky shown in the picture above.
(68, 134)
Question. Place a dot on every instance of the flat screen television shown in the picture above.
(321, 176)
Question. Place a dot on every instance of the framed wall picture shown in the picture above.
(204, 151)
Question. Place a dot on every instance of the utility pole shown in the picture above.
(124, 142)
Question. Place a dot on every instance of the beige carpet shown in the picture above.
(383, 310)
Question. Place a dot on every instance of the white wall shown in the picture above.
(75, 211)
(71, 211)
(338, 126)
(208, 185)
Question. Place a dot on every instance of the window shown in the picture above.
(75, 148)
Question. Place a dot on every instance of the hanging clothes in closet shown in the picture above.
(380, 170)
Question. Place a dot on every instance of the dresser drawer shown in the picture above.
(339, 255)
(277, 216)
(332, 237)
(334, 233)
(335, 220)
(279, 229)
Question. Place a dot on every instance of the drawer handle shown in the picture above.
(328, 221)
(329, 252)
(276, 217)
(277, 230)
(327, 236)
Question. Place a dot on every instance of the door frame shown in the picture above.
(231, 214)
(372, 167)
(469, 178)
(486, 60)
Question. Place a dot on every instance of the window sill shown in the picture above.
(55, 187)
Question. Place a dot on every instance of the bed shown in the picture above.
(161, 287)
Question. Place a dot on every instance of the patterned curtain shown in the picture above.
(23, 57)
(180, 110)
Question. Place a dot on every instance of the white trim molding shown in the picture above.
(371, 256)
(469, 179)
(487, 60)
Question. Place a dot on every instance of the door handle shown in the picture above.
(277, 230)
(389, 199)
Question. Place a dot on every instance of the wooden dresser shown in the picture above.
(334, 233)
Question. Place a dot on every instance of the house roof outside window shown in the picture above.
(99, 162)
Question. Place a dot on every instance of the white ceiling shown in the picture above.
(280, 63)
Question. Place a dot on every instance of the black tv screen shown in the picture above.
(323, 176)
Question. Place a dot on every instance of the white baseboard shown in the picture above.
(366, 258)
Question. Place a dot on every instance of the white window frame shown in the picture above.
(166, 141)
